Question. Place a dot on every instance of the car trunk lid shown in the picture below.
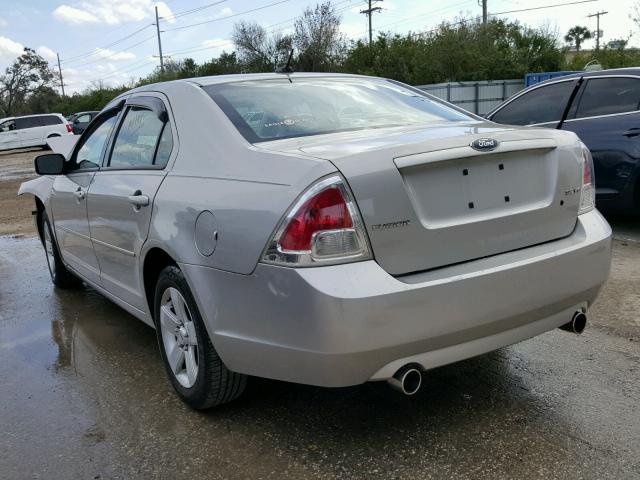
(429, 199)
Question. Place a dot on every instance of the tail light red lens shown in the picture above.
(323, 227)
(588, 191)
(326, 210)
(69, 128)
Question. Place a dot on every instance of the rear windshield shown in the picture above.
(265, 110)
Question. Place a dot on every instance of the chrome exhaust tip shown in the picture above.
(577, 324)
(406, 380)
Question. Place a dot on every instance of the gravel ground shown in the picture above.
(16, 166)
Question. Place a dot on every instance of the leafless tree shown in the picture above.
(257, 50)
(318, 39)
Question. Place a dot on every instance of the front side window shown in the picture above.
(540, 105)
(7, 126)
(83, 118)
(89, 155)
(606, 96)
(272, 109)
(137, 139)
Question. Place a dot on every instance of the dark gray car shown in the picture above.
(80, 121)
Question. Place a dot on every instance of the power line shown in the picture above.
(116, 42)
(543, 7)
(413, 17)
(129, 68)
(227, 17)
(225, 42)
(107, 56)
(184, 13)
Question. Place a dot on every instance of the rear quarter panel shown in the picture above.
(246, 189)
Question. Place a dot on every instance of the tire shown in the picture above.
(60, 275)
(195, 370)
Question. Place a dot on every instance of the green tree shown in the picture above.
(498, 50)
(29, 73)
(576, 35)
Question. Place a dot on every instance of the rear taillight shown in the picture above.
(588, 191)
(69, 128)
(323, 227)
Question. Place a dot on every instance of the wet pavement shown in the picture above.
(84, 395)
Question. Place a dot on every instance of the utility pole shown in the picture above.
(484, 11)
(159, 41)
(60, 72)
(597, 15)
(369, 12)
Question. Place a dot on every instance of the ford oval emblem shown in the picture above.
(484, 144)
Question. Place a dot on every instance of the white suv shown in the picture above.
(32, 130)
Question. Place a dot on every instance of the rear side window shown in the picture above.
(540, 105)
(47, 120)
(265, 110)
(606, 96)
(27, 122)
(138, 139)
(165, 146)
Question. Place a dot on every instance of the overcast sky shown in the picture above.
(90, 35)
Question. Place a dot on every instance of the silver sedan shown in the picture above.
(322, 229)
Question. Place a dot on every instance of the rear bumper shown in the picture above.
(347, 324)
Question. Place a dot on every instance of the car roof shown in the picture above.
(239, 77)
(36, 115)
(593, 73)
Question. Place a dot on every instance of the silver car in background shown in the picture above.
(322, 229)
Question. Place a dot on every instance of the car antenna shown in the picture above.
(287, 68)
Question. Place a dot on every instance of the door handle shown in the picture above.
(138, 199)
(632, 132)
(79, 193)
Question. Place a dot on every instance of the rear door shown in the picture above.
(29, 130)
(121, 196)
(542, 106)
(69, 199)
(606, 117)
(9, 136)
(51, 124)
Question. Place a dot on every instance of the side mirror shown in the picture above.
(76, 122)
(49, 164)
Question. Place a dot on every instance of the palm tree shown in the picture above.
(577, 35)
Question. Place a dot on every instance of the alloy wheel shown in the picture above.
(179, 337)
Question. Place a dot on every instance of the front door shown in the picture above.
(121, 196)
(9, 136)
(69, 201)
